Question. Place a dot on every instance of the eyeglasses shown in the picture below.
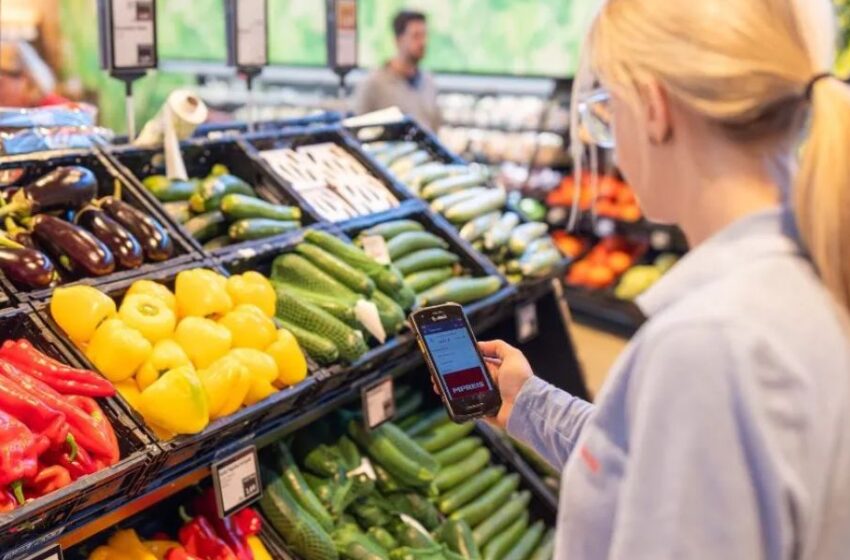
(596, 119)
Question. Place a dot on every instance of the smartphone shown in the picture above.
(455, 362)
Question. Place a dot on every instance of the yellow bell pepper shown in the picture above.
(149, 315)
(261, 365)
(226, 382)
(166, 355)
(249, 327)
(291, 363)
(161, 548)
(255, 289)
(79, 311)
(258, 549)
(259, 390)
(176, 402)
(127, 542)
(130, 391)
(203, 340)
(155, 289)
(106, 553)
(200, 292)
(117, 351)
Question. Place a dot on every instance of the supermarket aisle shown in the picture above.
(597, 351)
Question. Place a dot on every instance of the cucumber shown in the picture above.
(240, 207)
(406, 163)
(408, 242)
(295, 270)
(348, 341)
(408, 406)
(543, 243)
(387, 279)
(437, 417)
(430, 172)
(524, 234)
(335, 307)
(355, 545)
(166, 190)
(383, 537)
(490, 501)
(416, 506)
(535, 264)
(450, 477)
(424, 279)
(390, 230)
(391, 314)
(500, 234)
(475, 229)
(318, 347)
(445, 202)
(408, 535)
(457, 451)
(349, 276)
(398, 150)
(206, 226)
(297, 486)
(501, 544)
(408, 446)
(424, 260)
(482, 204)
(458, 497)
(526, 544)
(383, 450)
(443, 436)
(501, 518)
(458, 537)
(300, 531)
(546, 549)
(460, 290)
(178, 211)
(406, 423)
(217, 243)
(405, 298)
(449, 185)
(386, 482)
(214, 188)
(259, 228)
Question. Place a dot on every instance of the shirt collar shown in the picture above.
(759, 235)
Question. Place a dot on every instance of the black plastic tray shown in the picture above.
(38, 164)
(235, 128)
(200, 155)
(186, 452)
(405, 130)
(88, 494)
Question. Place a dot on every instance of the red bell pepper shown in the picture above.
(179, 554)
(90, 407)
(199, 539)
(7, 501)
(248, 522)
(205, 504)
(35, 414)
(48, 480)
(77, 465)
(19, 452)
(64, 379)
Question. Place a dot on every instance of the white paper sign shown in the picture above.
(133, 34)
(378, 403)
(346, 33)
(236, 480)
(251, 33)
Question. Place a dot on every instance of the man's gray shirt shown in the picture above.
(385, 88)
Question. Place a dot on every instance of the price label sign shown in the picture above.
(527, 326)
(378, 403)
(236, 480)
(247, 33)
(376, 247)
(342, 34)
(53, 552)
(127, 31)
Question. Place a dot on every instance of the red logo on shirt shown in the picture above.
(589, 460)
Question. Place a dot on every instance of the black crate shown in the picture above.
(200, 155)
(187, 452)
(406, 130)
(235, 128)
(88, 494)
(297, 137)
(35, 165)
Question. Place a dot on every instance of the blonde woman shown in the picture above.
(724, 430)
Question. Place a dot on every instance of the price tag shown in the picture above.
(127, 35)
(526, 322)
(342, 34)
(236, 480)
(376, 247)
(247, 33)
(53, 552)
(378, 403)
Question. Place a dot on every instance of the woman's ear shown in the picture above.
(656, 102)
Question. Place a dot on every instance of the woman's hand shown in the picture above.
(510, 370)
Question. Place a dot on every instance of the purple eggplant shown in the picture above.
(64, 188)
(155, 240)
(74, 248)
(124, 246)
(26, 268)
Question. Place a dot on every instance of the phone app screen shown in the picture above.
(455, 357)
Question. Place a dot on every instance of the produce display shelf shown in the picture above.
(603, 310)
(217, 130)
(32, 166)
(87, 496)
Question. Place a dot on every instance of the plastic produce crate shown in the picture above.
(186, 452)
(217, 130)
(336, 375)
(294, 138)
(33, 166)
(199, 155)
(88, 494)
(406, 130)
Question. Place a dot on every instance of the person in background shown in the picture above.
(26, 81)
(401, 82)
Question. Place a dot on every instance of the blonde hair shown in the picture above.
(745, 65)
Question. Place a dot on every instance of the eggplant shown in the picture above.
(64, 188)
(74, 248)
(155, 239)
(28, 269)
(124, 246)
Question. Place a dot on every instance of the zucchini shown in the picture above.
(526, 544)
(295, 270)
(458, 537)
(482, 204)
(535, 264)
(355, 545)
(524, 234)
(406, 423)
(457, 451)
(437, 417)
(408, 535)
(424, 279)
(458, 497)
(397, 151)
(490, 501)
(501, 544)
(387, 279)
(260, 228)
(389, 230)
(322, 488)
(335, 307)
(408, 242)
(217, 243)
(318, 347)
(445, 202)
(405, 298)
(166, 190)
(449, 477)
(449, 185)
(500, 234)
(424, 260)
(297, 486)
(178, 211)
(295, 525)
(349, 276)
(384, 450)
(418, 507)
(391, 314)
(501, 518)
(408, 406)
(406, 163)
(475, 229)
(408, 446)
(443, 436)
(383, 537)
(386, 482)
(430, 172)
(434, 552)
(348, 341)
(546, 549)
(206, 226)
(461, 290)
(240, 207)
(209, 193)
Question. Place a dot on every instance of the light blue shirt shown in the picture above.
(723, 432)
